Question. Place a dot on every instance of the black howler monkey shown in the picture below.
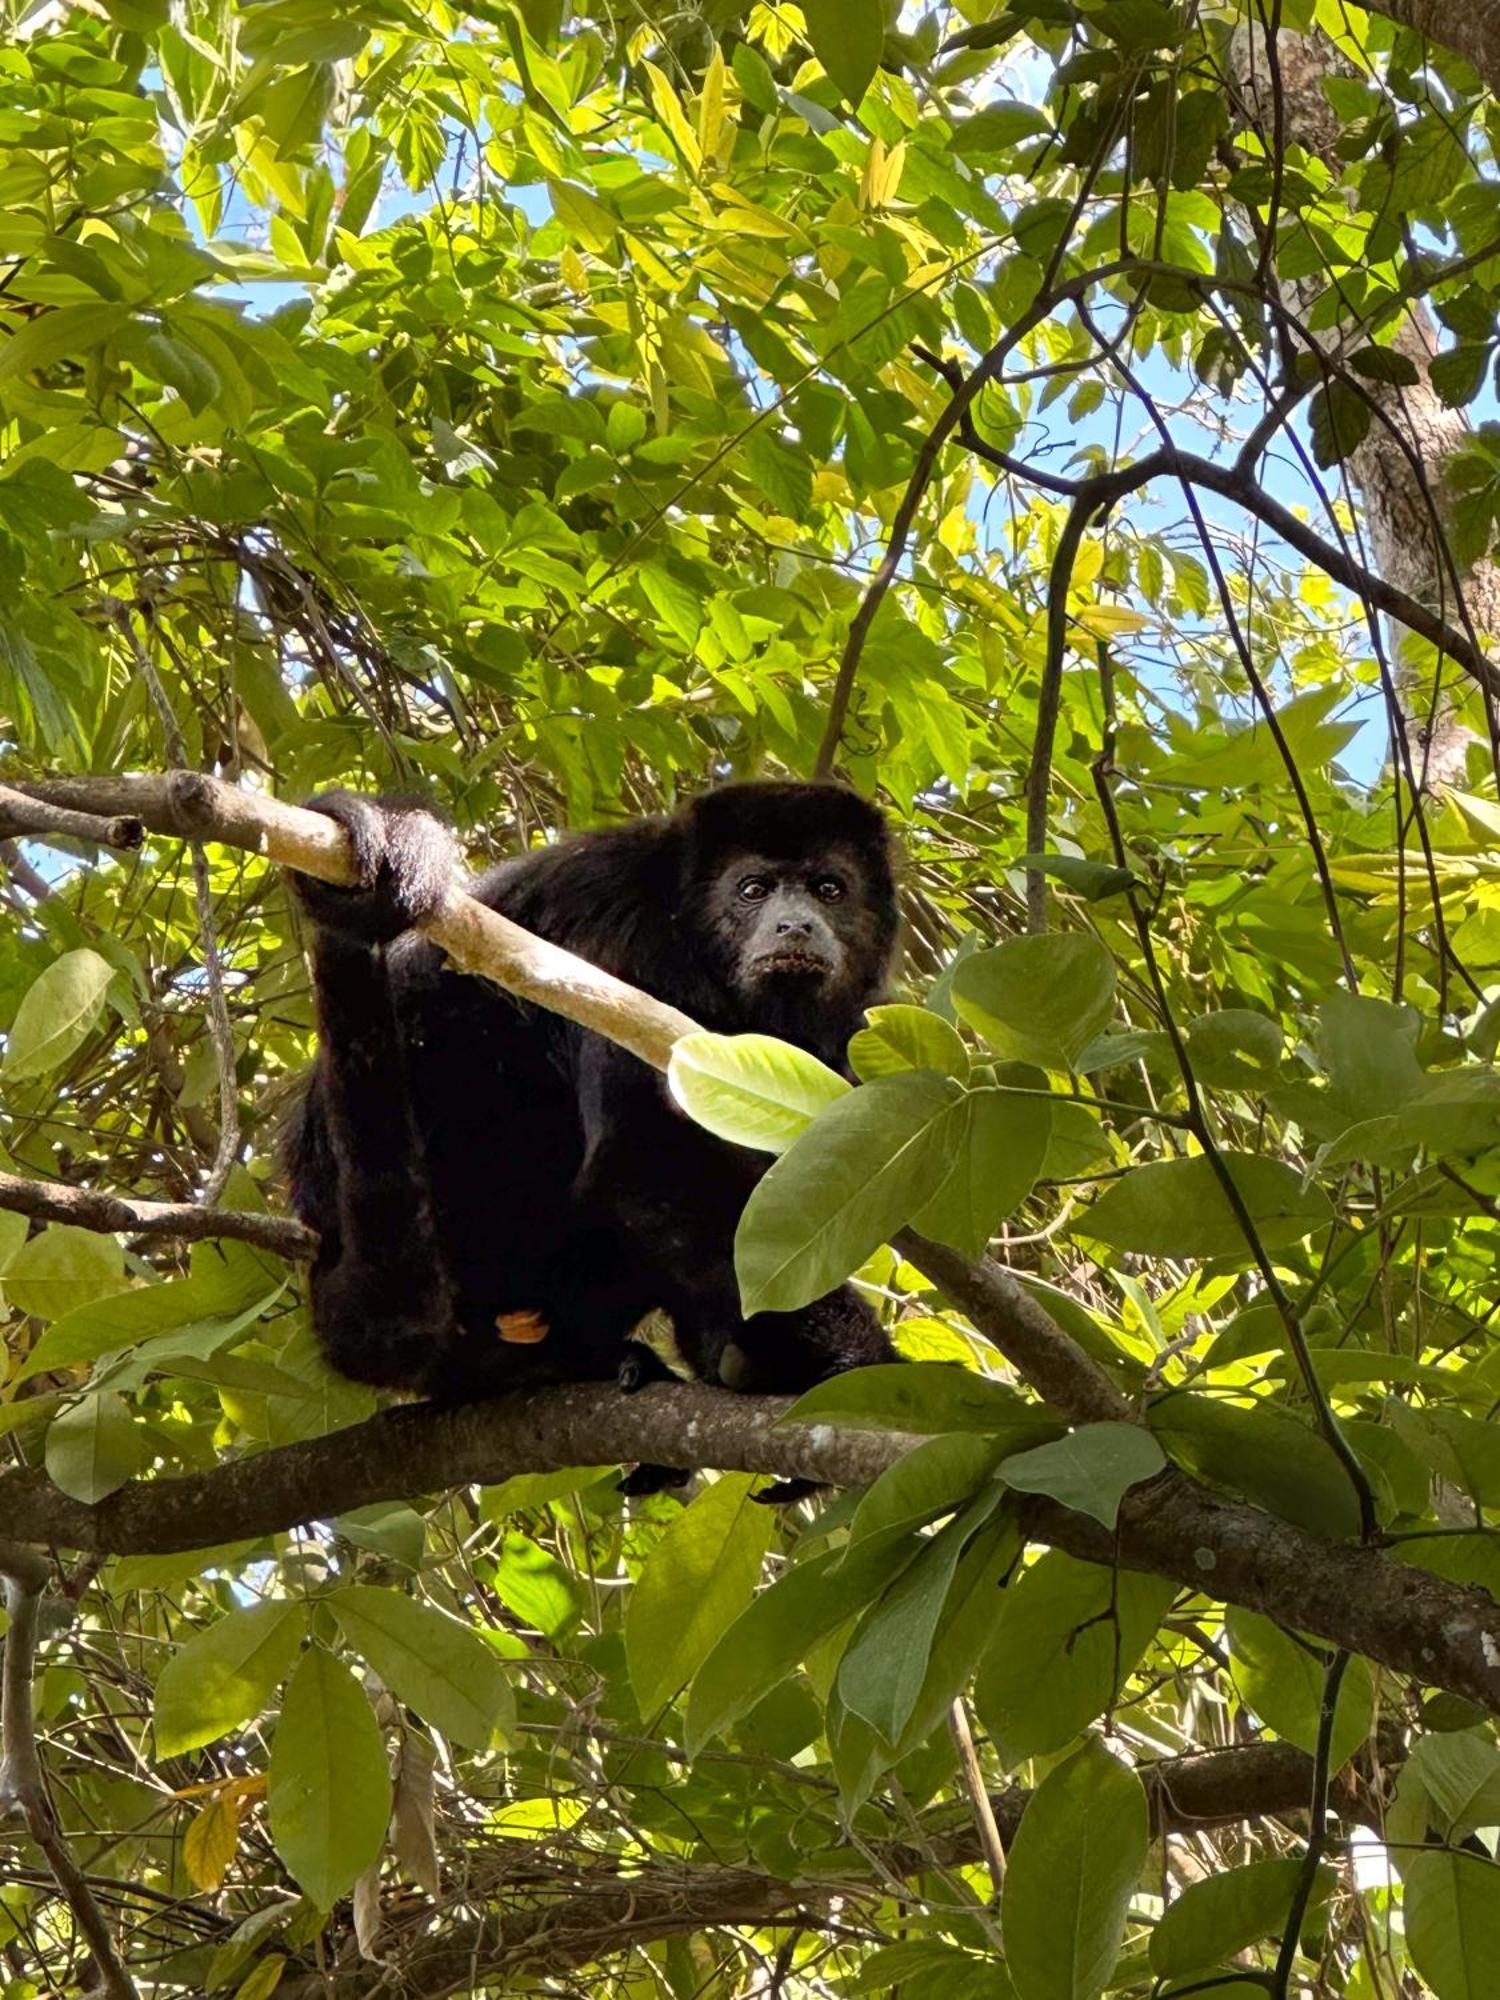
(469, 1159)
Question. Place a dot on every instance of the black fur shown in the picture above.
(465, 1156)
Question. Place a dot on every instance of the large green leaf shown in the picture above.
(1066, 1636)
(1213, 1920)
(1040, 999)
(697, 1580)
(60, 1007)
(442, 1669)
(847, 36)
(864, 1168)
(1282, 1679)
(328, 1787)
(1453, 1923)
(225, 1674)
(1089, 1470)
(1074, 1864)
(1177, 1208)
(751, 1089)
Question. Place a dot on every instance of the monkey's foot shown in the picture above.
(648, 1479)
(639, 1365)
(785, 1492)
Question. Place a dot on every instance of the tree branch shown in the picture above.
(38, 819)
(1439, 1633)
(193, 806)
(23, 1784)
(606, 1911)
(1471, 31)
(116, 1215)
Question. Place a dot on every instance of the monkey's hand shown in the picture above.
(405, 859)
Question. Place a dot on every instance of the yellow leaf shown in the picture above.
(711, 107)
(262, 1981)
(882, 175)
(211, 1842)
(664, 102)
(1109, 621)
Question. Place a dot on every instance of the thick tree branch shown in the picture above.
(23, 1784)
(112, 1214)
(1470, 30)
(1439, 1633)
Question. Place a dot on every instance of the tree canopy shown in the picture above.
(1071, 422)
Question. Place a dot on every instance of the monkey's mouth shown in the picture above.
(792, 962)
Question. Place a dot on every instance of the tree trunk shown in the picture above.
(1400, 468)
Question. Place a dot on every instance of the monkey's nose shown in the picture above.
(793, 927)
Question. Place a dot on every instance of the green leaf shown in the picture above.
(1077, 1855)
(1234, 1046)
(1453, 1923)
(224, 1675)
(902, 1038)
(1067, 1636)
(1385, 364)
(1282, 1680)
(697, 1580)
(1176, 1208)
(752, 1089)
(1458, 374)
(1212, 1921)
(442, 1669)
(1460, 1773)
(936, 1477)
(999, 1154)
(1339, 419)
(1089, 1470)
(674, 602)
(865, 1167)
(63, 1269)
(1040, 1000)
(58, 1010)
(93, 1447)
(781, 1627)
(1093, 880)
(884, 1666)
(328, 1787)
(847, 37)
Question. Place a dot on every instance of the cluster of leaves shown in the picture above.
(470, 398)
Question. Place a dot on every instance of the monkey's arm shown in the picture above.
(381, 1296)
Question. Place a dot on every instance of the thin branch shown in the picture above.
(23, 1783)
(118, 1215)
(1317, 1832)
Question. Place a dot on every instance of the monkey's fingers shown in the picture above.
(522, 1329)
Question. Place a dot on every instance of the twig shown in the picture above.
(971, 1776)
(1317, 1827)
(23, 1784)
(112, 1214)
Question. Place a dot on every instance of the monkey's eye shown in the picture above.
(754, 889)
(828, 889)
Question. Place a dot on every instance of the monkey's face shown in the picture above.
(792, 925)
